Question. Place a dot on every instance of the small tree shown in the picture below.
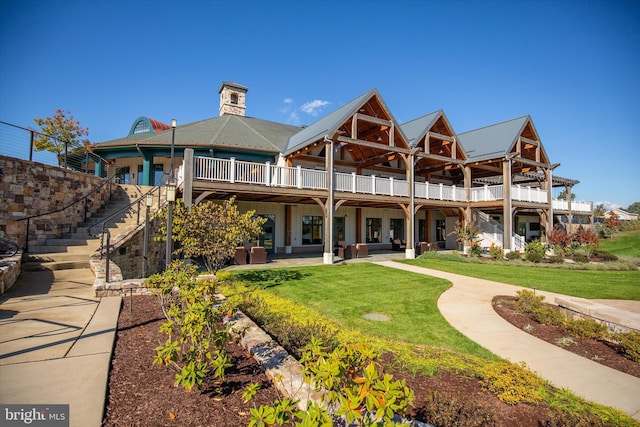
(599, 210)
(612, 221)
(212, 230)
(563, 195)
(560, 240)
(634, 207)
(588, 238)
(58, 132)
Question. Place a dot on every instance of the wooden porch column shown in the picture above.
(328, 231)
(427, 225)
(287, 229)
(548, 177)
(506, 204)
(187, 189)
(570, 217)
(410, 251)
(359, 225)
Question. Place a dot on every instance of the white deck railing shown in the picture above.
(267, 174)
(575, 206)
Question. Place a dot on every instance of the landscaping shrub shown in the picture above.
(586, 328)
(581, 258)
(560, 418)
(512, 383)
(349, 385)
(443, 410)
(534, 251)
(528, 302)
(550, 316)
(629, 344)
(496, 252)
(556, 259)
(512, 255)
(606, 256)
(197, 338)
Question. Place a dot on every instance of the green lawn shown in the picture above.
(344, 293)
(581, 283)
(626, 243)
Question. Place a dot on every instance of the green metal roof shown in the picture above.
(328, 124)
(492, 141)
(228, 131)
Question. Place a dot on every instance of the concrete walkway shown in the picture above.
(56, 340)
(467, 307)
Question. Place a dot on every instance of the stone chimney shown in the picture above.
(232, 98)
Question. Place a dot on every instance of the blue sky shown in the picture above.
(574, 66)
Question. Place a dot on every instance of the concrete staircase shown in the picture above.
(73, 251)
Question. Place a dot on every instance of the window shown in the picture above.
(441, 230)
(311, 230)
(374, 230)
(142, 127)
(396, 229)
(534, 226)
(234, 98)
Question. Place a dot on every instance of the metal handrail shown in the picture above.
(84, 198)
(9, 248)
(104, 230)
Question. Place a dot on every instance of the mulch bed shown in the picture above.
(142, 394)
(595, 350)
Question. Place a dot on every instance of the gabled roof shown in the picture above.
(492, 141)
(228, 131)
(415, 129)
(326, 125)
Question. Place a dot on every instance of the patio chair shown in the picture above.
(240, 257)
(362, 250)
(258, 255)
(350, 252)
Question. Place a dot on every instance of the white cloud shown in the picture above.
(314, 107)
(289, 109)
(608, 205)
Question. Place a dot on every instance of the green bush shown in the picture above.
(512, 255)
(534, 251)
(556, 259)
(349, 385)
(629, 344)
(560, 418)
(550, 316)
(291, 331)
(496, 252)
(586, 328)
(606, 256)
(197, 342)
(528, 302)
(444, 410)
(533, 257)
(581, 258)
(512, 383)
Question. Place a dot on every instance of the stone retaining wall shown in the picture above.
(615, 319)
(9, 271)
(31, 188)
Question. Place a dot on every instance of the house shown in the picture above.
(622, 215)
(411, 181)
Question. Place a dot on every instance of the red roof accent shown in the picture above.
(158, 126)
